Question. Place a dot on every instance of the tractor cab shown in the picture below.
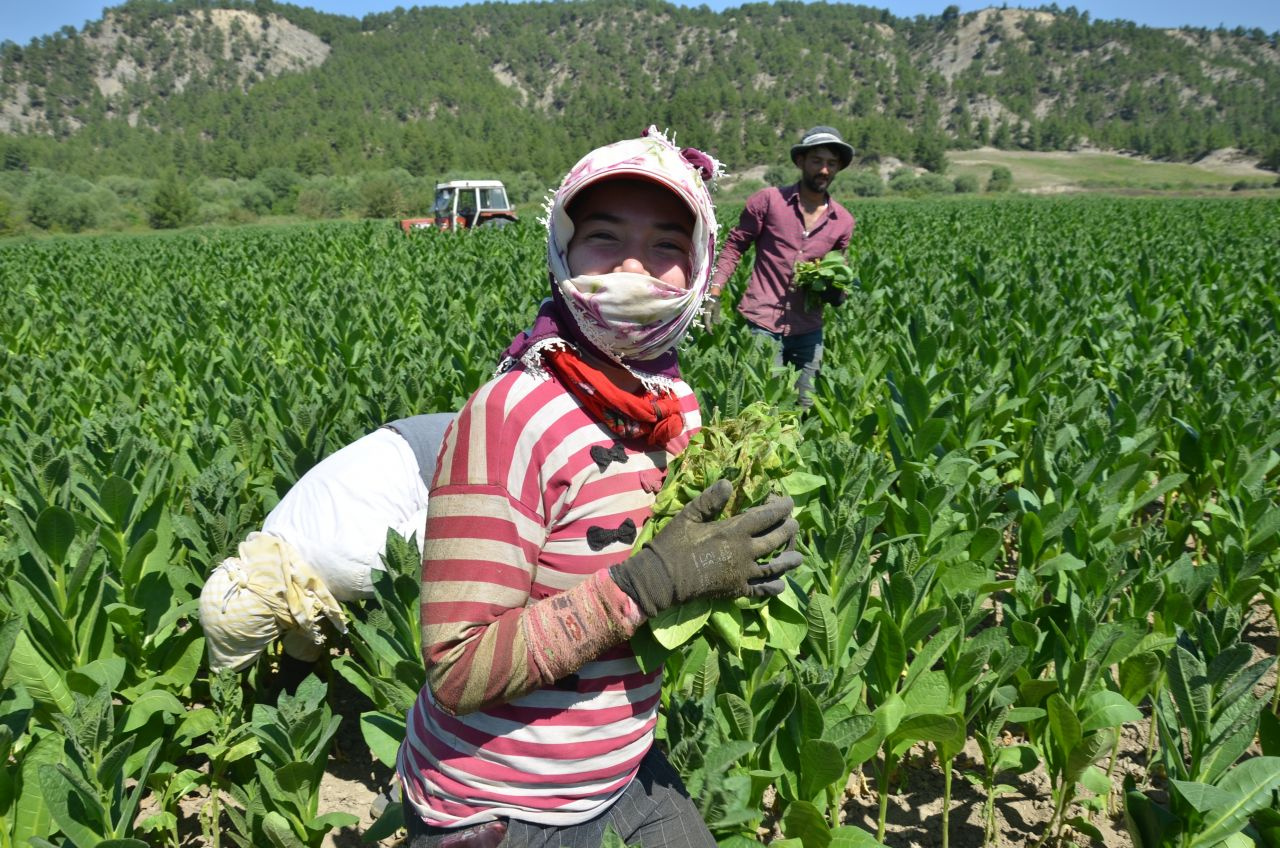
(463, 204)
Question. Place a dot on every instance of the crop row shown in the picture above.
(1047, 444)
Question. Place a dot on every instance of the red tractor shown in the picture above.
(463, 204)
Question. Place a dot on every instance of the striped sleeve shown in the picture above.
(483, 641)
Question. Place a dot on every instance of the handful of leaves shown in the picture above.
(758, 451)
(831, 272)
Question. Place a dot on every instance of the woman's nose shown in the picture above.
(632, 265)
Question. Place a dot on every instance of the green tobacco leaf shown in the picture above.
(805, 822)
(821, 764)
(1067, 732)
(32, 815)
(1269, 734)
(738, 713)
(383, 733)
(1085, 754)
(824, 628)
(391, 820)
(925, 728)
(785, 627)
(55, 530)
(1059, 564)
(78, 813)
(1018, 759)
(721, 757)
(727, 623)
(42, 680)
(929, 693)
(1249, 787)
(9, 631)
(1108, 709)
(331, 821)
(1202, 797)
(851, 837)
(808, 715)
(673, 627)
(1149, 824)
(147, 705)
(1138, 673)
(799, 483)
(117, 497)
(1263, 530)
(279, 832)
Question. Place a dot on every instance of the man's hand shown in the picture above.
(834, 296)
(711, 315)
(696, 556)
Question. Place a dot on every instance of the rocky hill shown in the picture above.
(232, 88)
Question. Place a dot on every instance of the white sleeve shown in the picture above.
(338, 514)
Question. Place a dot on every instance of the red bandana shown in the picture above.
(644, 414)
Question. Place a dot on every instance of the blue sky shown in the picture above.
(23, 20)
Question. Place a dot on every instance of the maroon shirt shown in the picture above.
(773, 221)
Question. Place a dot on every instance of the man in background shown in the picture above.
(788, 225)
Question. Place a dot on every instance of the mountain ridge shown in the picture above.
(229, 89)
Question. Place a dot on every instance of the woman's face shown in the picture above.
(634, 226)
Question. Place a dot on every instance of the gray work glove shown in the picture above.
(696, 556)
(711, 312)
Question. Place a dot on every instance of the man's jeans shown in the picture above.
(802, 352)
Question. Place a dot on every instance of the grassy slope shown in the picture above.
(1049, 172)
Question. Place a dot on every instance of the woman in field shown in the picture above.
(536, 724)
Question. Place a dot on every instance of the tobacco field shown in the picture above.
(1041, 528)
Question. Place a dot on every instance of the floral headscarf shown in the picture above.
(630, 319)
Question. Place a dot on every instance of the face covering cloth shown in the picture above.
(631, 320)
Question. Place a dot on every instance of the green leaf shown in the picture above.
(147, 705)
(383, 733)
(32, 815)
(1269, 733)
(1059, 564)
(929, 693)
(1067, 732)
(42, 680)
(1085, 754)
(1018, 759)
(673, 627)
(1249, 787)
(1108, 709)
(1202, 797)
(391, 820)
(799, 483)
(279, 832)
(1149, 824)
(738, 713)
(117, 497)
(850, 837)
(55, 529)
(821, 764)
(1138, 674)
(785, 628)
(78, 813)
(330, 821)
(803, 821)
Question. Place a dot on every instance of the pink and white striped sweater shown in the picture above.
(534, 706)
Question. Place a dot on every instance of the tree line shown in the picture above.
(524, 88)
